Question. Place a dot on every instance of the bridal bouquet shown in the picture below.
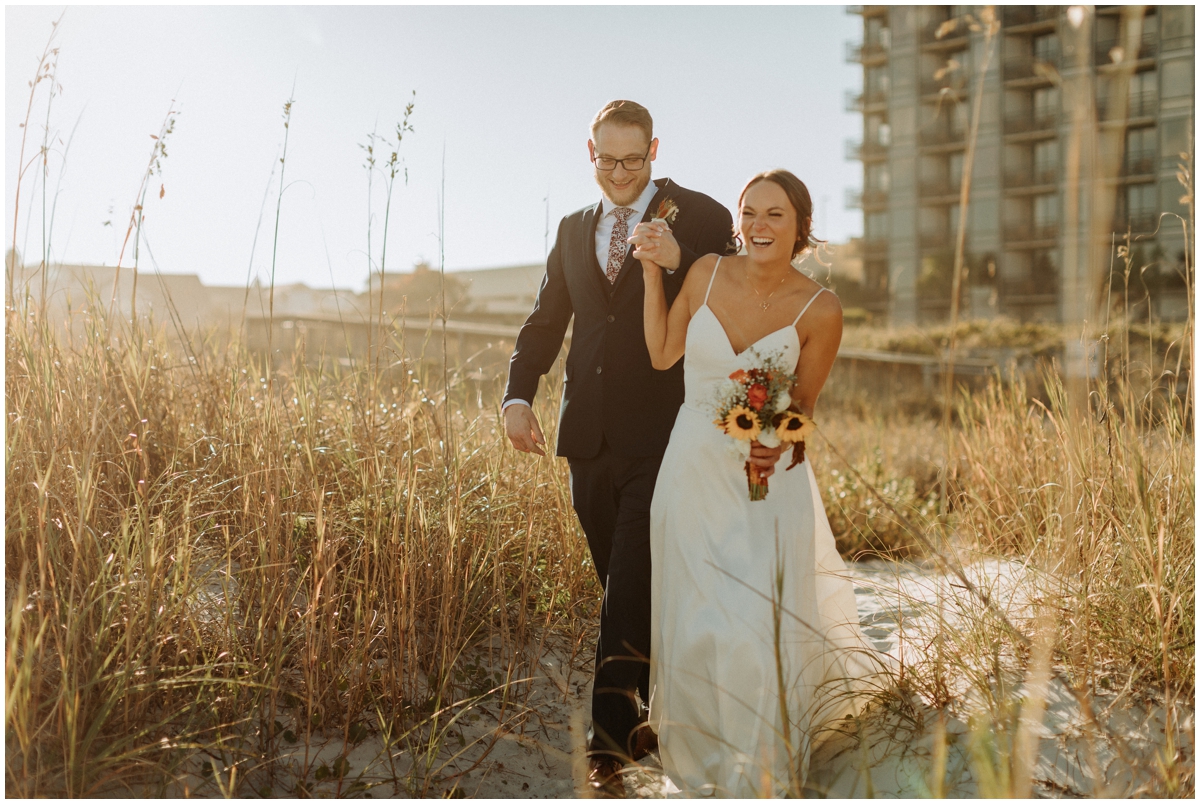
(752, 407)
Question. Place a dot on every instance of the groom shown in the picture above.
(617, 410)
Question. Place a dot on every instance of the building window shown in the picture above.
(1143, 93)
(1045, 106)
(876, 83)
(875, 226)
(1141, 205)
(877, 177)
(1177, 140)
(956, 170)
(1045, 48)
(1179, 80)
(1045, 162)
(1045, 215)
(1141, 145)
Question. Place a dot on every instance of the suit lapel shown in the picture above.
(630, 262)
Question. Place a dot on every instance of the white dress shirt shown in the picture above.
(604, 234)
(608, 220)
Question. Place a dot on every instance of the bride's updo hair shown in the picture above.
(797, 193)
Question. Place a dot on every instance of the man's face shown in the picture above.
(620, 185)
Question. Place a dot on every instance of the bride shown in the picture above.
(755, 641)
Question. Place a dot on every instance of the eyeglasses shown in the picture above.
(631, 163)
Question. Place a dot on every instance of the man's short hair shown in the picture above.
(624, 113)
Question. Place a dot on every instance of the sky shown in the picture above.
(504, 96)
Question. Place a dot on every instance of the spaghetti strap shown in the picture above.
(805, 310)
(710, 280)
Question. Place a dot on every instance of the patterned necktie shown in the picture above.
(616, 244)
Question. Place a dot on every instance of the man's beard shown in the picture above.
(627, 197)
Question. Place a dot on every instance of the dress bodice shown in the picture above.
(709, 358)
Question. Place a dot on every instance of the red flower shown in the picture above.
(756, 395)
(738, 375)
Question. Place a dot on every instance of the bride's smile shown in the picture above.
(768, 225)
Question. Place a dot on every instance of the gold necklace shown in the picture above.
(763, 303)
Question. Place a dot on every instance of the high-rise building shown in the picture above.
(1052, 179)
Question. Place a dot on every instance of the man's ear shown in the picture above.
(591, 151)
(653, 149)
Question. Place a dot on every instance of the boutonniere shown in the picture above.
(668, 210)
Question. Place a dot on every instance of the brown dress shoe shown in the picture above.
(604, 777)
(645, 741)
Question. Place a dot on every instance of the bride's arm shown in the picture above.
(666, 332)
(821, 335)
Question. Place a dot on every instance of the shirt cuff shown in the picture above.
(511, 402)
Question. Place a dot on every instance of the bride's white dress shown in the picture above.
(733, 580)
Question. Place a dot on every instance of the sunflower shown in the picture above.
(791, 426)
(741, 423)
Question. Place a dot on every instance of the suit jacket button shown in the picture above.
(612, 318)
(599, 369)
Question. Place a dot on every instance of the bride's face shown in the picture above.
(768, 223)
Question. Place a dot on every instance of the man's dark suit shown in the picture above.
(617, 414)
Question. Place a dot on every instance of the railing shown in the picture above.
(857, 101)
(1026, 66)
(954, 83)
(1044, 230)
(1141, 104)
(1147, 47)
(1031, 178)
(866, 51)
(875, 247)
(1185, 42)
(933, 239)
(942, 135)
(1139, 162)
(1136, 222)
(929, 33)
(867, 150)
(933, 187)
(1023, 15)
(873, 197)
(857, 199)
(1035, 120)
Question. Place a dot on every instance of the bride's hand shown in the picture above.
(654, 243)
(765, 458)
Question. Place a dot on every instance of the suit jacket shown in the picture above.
(611, 393)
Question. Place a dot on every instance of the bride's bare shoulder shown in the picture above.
(826, 308)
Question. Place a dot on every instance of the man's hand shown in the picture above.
(523, 429)
(653, 241)
(765, 458)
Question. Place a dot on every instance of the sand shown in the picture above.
(534, 749)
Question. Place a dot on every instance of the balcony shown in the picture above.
(933, 240)
(1141, 104)
(953, 38)
(859, 101)
(870, 198)
(932, 188)
(1031, 232)
(1138, 222)
(875, 246)
(1019, 179)
(1027, 15)
(867, 52)
(954, 84)
(1024, 122)
(943, 135)
(1147, 48)
(865, 151)
(1026, 69)
(1140, 162)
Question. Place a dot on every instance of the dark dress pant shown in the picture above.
(611, 495)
